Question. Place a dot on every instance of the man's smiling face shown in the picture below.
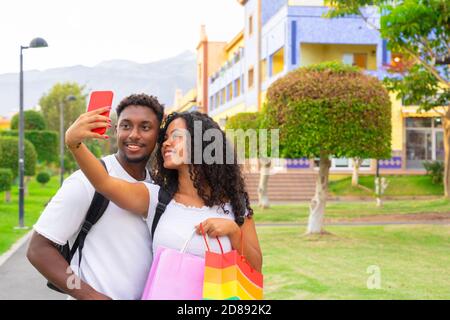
(137, 133)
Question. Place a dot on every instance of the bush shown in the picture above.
(45, 143)
(435, 169)
(9, 157)
(33, 120)
(43, 177)
(6, 177)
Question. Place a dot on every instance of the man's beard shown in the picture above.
(144, 158)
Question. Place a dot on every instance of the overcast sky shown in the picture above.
(88, 32)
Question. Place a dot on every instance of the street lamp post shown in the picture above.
(61, 135)
(35, 43)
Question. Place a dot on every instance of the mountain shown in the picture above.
(159, 78)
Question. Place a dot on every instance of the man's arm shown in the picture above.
(45, 257)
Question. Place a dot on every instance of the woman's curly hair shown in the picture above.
(216, 183)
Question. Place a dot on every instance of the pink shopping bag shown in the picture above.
(175, 275)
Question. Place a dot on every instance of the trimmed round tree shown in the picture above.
(33, 120)
(9, 156)
(329, 110)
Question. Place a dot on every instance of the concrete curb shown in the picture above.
(16, 246)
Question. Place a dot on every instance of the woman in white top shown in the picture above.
(207, 188)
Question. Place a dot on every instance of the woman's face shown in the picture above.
(174, 148)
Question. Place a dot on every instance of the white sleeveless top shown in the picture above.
(178, 223)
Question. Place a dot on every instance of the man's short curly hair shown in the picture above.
(142, 99)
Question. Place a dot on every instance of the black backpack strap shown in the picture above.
(164, 198)
(96, 209)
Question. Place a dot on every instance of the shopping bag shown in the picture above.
(175, 275)
(228, 276)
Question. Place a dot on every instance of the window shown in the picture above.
(424, 141)
(360, 60)
(237, 87)
(224, 96)
(250, 25)
(217, 100)
(263, 70)
(230, 92)
(355, 59)
(251, 76)
(277, 62)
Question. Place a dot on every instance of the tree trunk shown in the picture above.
(381, 185)
(446, 179)
(8, 196)
(355, 177)
(25, 185)
(318, 203)
(264, 172)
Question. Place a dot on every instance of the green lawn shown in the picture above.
(298, 213)
(398, 186)
(34, 204)
(414, 262)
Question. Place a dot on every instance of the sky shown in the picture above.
(87, 32)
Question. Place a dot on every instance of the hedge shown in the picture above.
(45, 142)
(9, 156)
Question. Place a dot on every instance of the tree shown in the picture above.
(50, 106)
(45, 142)
(33, 120)
(51, 101)
(420, 31)
(6, 177)
(250, 124)
(9, 157)
(329, 110)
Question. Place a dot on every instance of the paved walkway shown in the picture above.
(19, 280)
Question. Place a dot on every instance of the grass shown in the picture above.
(298, 213)
(34, 204)
(414, 262)
(398, 186)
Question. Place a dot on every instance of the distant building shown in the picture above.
(4, 123)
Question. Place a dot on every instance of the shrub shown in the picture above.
(6, 177)
(43, 177)
(435, 169)
(9, 157)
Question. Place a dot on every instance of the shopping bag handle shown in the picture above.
(188, 241)
(206, 241)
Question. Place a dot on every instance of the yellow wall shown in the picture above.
(4, 123)
(216, 56)
(234, 110)
(186, 102)
(278, 62)
(315, 53)
(397, 124)
(234, 45)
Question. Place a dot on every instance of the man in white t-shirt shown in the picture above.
(117, 251)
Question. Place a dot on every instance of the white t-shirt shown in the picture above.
(178, 222)
(117, 252)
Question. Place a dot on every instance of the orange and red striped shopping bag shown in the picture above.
(228, 276)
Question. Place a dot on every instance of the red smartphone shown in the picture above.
(97, 100)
